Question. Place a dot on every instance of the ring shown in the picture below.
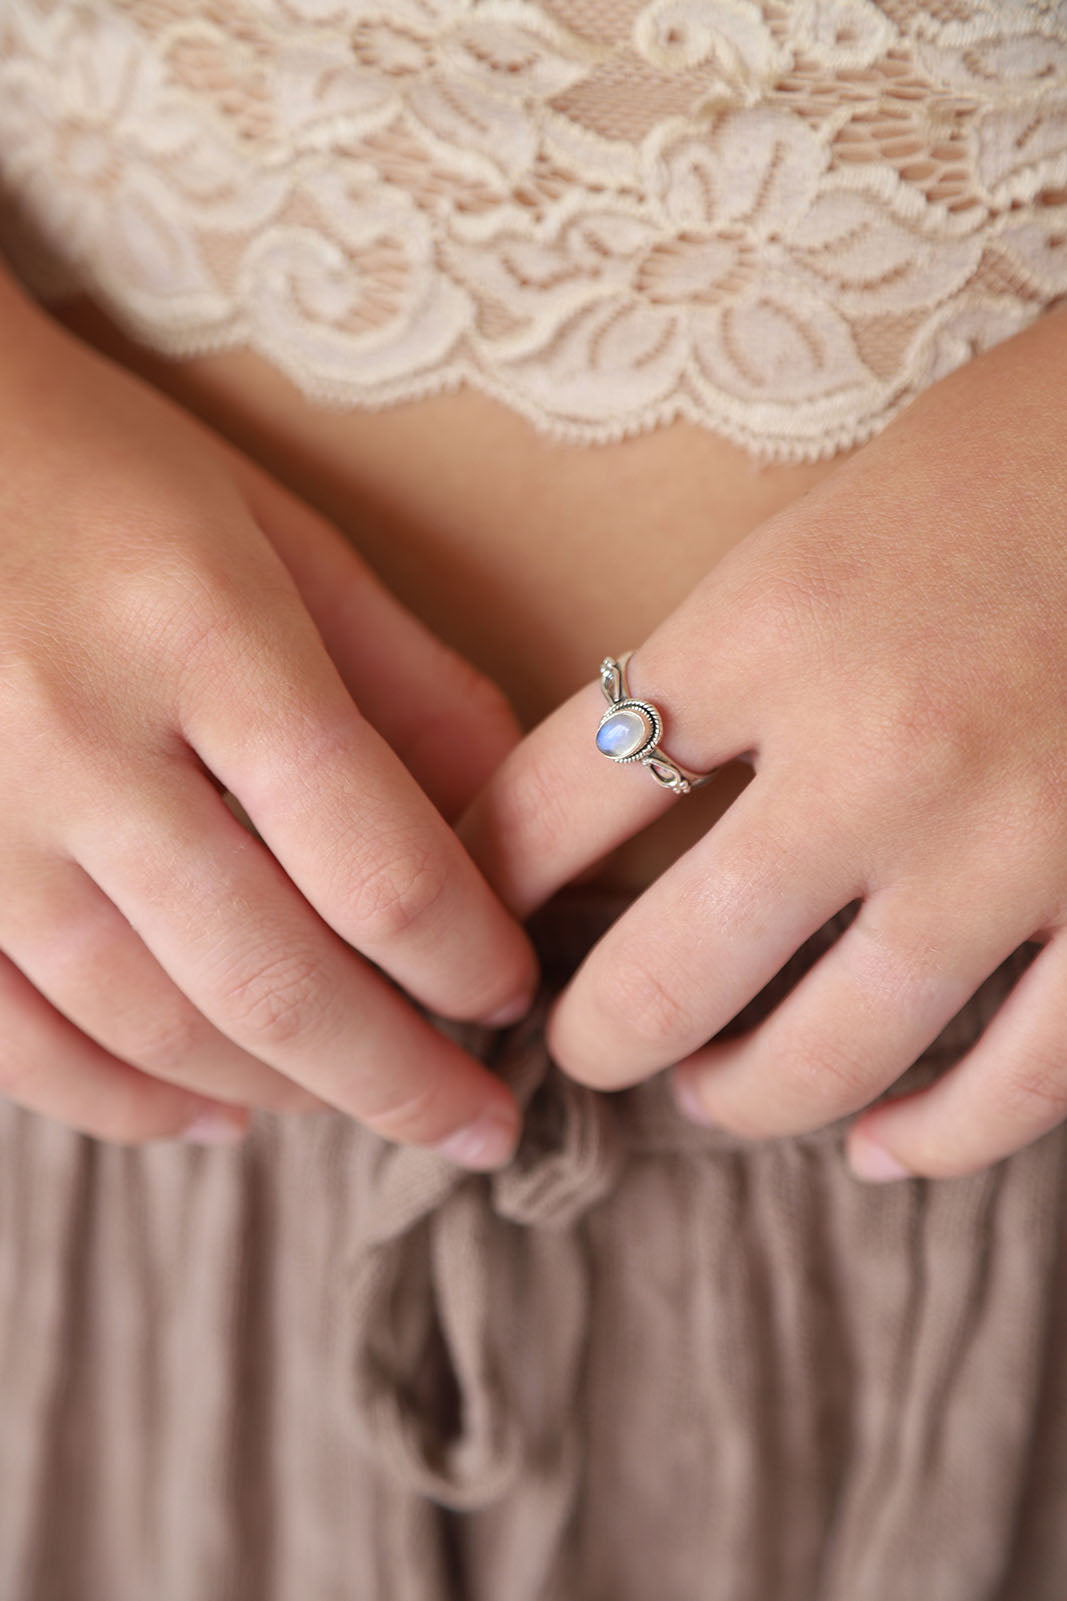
(630, 731)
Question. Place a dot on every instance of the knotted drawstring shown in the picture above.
(571, 1152)
(422, 1271)
(433, 1239)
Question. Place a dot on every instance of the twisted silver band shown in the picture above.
(630, 731)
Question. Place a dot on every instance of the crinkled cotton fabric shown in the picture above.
(645, 1360)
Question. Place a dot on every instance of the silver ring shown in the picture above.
(630, 731)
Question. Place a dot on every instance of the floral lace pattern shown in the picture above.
(780, 220)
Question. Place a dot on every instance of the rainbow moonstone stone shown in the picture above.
(624, 733)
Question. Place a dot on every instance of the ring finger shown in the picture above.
(856, 1021)
(703, 939)
(1004, 1093)
(221, 917)
(50, 1067)
(555, 805)
(82, 956)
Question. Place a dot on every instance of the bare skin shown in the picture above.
(879, 638)
(889, 654)
(533, 559)
(175, 628)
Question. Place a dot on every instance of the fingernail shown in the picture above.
(511, 1013)
(688, 1098)
(487, 1142)
(871, 1161)
(214, 1128)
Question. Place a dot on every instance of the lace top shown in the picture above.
(778, 219)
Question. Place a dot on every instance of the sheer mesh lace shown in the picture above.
(780, 220)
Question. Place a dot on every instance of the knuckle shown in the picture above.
(191, 617)
(178, 613)
(41, 707)
(1034, 1088)
(530, 808)
(920, 735)
(162, 1039)
(278, 1000)
(900, 961)
(396, 892)
(744, 889)
(821, 1077)
(916, 723)
(634, 990)
(412, 1119)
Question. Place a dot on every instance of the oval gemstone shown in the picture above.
(623, 733)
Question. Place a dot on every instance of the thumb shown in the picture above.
(450, 725)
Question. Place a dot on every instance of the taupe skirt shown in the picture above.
(646, 1362)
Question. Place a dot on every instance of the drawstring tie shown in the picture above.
(422, 1277)
(435, 1243)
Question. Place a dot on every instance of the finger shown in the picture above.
(49, 1066)
(270, 718)
(703, 939)
(860, 1017)
(83, 957)
(449, 724)
(555, 805)
(1004, 1093)
(223, 920)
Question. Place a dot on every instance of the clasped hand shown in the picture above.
(890, 656)
(176, 631)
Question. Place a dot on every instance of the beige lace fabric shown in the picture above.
(780, 220)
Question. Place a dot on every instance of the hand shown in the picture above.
(174, 626)
(890, 655)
